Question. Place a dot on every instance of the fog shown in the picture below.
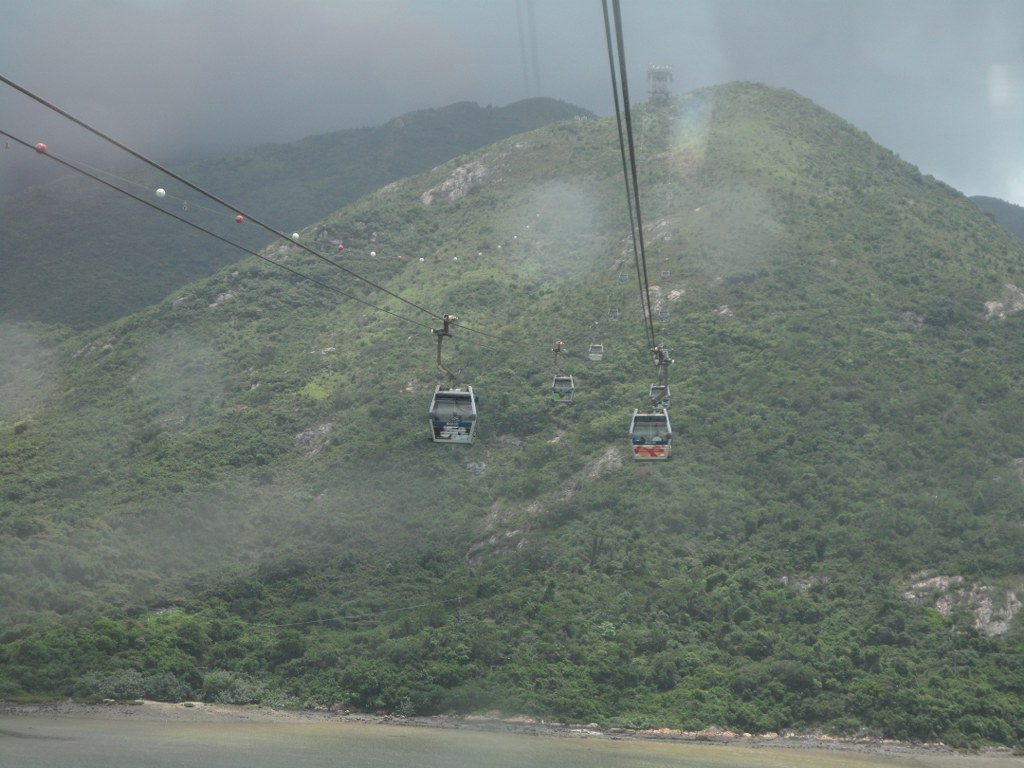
(937, 81)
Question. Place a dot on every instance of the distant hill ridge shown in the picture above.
(1007, 214)
(77, 253)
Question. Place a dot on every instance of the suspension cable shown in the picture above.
(622, 144)
(75, 167)
(246, 216)
(630, 174)
(210, 195)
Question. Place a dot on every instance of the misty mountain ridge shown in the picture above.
(232, 494)
(1007, 214)
(78, 253)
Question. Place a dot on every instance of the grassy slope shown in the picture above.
(845, 418)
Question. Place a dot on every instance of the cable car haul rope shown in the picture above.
(650, 431)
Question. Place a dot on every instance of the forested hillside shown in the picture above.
(79, 253)
(233, 493)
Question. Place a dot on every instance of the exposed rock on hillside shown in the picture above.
(459, 183)
(1010, 303)
(311, 441)
(993, 611)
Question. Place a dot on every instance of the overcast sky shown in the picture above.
(940, 82)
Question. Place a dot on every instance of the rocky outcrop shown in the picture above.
(1010, 303)
(459, 183)
(993, 609)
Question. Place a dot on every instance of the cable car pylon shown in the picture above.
(453, 412)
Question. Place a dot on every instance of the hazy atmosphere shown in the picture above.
(937, 81)
(416, 459)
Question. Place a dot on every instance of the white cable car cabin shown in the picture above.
(650, 434)
(562, 388)
(453, 415)
(596, 351)
(660, 396)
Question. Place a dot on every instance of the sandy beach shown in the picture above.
(230, 713)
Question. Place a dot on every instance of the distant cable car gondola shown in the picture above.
(453, 410)
(650, 434)
(453, 415)
(562, 389)
(596, 351)
(562, 386)
(660, 396)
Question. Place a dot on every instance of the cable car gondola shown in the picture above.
(660, 396)
(596, 352)
(562, 389)
(453, 410)
(650, 434)
(453, 415)
(562, 386)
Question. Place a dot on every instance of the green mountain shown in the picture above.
(233, 494)
(78, 253)
(1007, 214)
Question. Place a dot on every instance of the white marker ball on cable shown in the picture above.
(160, 193)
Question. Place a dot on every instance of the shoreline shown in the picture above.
(195, 711)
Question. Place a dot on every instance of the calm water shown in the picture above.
(46, 742)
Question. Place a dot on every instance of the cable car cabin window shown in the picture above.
(562, 388)
(596, 351)
(453, 415)
(650, 434)
(660, 396)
